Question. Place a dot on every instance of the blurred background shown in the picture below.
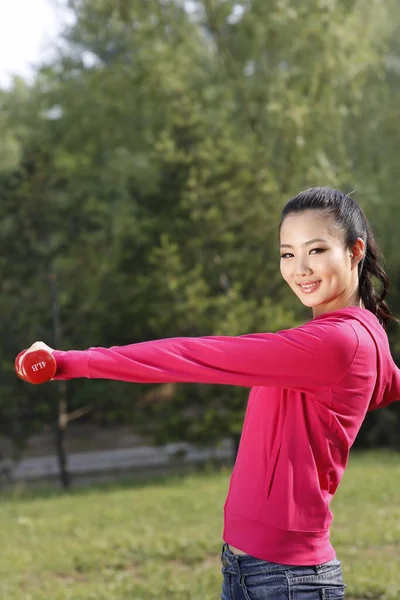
(147, 149)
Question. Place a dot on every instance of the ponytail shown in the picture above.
(368, 268)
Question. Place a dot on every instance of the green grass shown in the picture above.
(162, 540)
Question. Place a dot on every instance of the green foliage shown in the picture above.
(10, 150)
(154, 156)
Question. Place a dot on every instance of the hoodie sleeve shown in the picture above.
(313, 356)
(389, 391)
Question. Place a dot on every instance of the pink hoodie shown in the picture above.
(311, 388)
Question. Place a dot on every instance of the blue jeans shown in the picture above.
(248, 578)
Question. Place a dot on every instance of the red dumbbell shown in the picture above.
(37, 366)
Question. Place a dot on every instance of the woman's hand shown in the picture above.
(36, 364)
(40, 346)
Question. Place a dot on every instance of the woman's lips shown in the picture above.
(309, 287)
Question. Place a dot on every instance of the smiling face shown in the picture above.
(316, 264)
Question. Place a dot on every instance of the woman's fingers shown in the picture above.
(36, 364)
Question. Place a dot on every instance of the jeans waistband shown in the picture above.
(236, 563)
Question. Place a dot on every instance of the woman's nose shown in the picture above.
(302, 268)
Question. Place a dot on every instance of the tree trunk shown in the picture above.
(61, 416)
(61, 422)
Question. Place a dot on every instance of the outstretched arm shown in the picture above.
(313, 356)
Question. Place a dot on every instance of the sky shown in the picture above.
(27, 28)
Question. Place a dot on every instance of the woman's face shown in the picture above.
(315, 263)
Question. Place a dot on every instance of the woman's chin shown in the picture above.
(309, 302)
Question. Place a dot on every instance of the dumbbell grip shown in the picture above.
(36, 366)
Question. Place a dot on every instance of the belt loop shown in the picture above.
(224, 559)
(223, 549)
(240, 574)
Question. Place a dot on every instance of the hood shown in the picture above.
(387, 388)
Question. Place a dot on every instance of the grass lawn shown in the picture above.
(162, 540)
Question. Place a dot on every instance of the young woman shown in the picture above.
(311, 387)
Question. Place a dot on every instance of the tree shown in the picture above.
(158, 150)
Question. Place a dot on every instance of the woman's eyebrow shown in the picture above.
(306, 243)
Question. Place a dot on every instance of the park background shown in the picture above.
(143, 168)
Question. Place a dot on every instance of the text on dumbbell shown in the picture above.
(38, 366)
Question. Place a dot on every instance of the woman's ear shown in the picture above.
(357, 252)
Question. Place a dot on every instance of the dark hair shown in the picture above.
(350, 218)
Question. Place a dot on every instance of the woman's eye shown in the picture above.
(313, 251)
